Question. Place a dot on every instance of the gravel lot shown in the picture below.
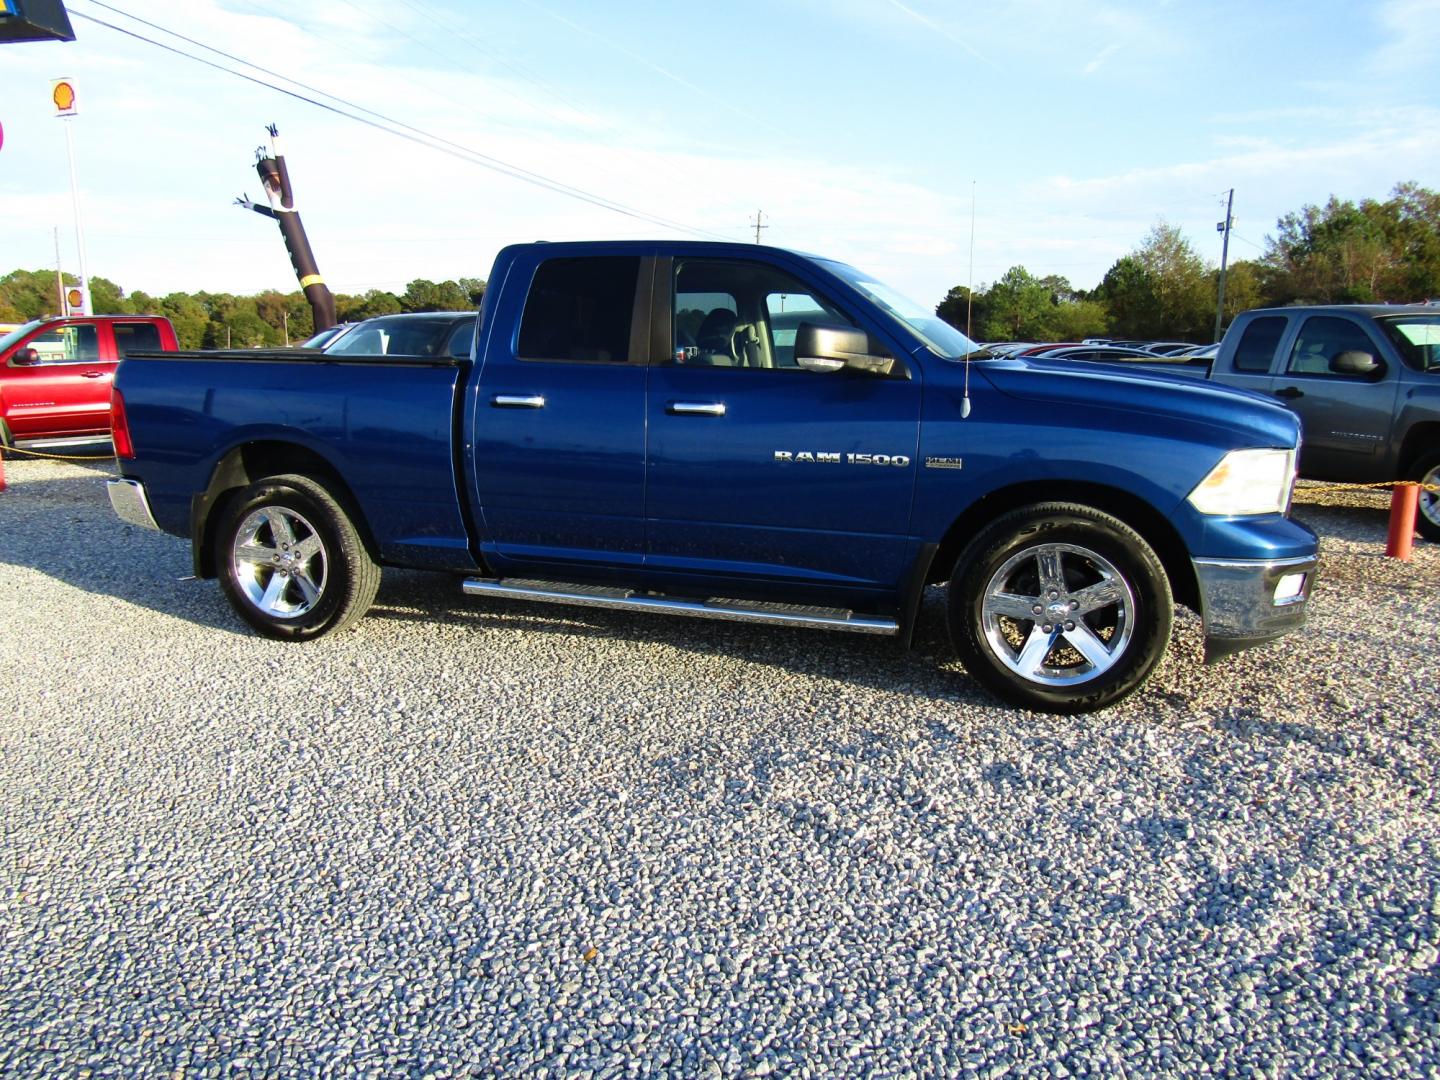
(476, 837)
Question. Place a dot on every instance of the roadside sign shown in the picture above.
(75, 300)
(62, 92)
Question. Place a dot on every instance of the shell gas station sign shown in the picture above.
(62, 93)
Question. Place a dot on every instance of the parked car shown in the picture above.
(321, 338)
(590, 454)
(55, 374)
(420, 333)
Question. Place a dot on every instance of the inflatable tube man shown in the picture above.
(275, 178)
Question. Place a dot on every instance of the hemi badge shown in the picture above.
(943, 462)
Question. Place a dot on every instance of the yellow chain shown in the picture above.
(1364, 487)
(57, 457)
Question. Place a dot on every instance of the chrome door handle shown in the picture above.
(696, 408)
(518, 401)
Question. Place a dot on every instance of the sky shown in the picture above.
(889, 134)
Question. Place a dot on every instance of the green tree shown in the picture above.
(1128, 293)
(1020, 309)
(963, 311)
(422, 295)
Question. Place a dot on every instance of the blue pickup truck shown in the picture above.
(735, 432)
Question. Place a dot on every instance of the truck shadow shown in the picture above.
(62, 526)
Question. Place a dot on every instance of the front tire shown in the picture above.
(1061, 608)
(1427, 517)
(290, 560)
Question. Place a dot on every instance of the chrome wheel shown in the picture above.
(1430, 500)
(1058, 614)
(279, 562)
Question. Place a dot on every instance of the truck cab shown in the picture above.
(56, 373)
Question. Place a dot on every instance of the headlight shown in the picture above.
(1247, 482)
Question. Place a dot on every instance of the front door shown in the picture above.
(67, 392)
(1344, 418)
(759, 470)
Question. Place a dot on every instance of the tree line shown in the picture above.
(1340, 253)
(206, 320)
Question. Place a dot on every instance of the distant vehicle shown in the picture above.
(420, 333)
(322, 338)
(1364, 380)
(55, 374)
(1169, 348)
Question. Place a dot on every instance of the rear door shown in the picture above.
(758, 470)
(558, 415)
(68, 391)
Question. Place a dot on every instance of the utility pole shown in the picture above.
(1224, 227)
(758, 215)
(59, 277)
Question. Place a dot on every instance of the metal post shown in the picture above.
(1224, 258)
(79, 225)
(59, 277)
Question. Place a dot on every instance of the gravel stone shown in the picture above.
(486, 838)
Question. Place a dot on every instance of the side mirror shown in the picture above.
(823, 347)
(1355, 362)
(25, 358)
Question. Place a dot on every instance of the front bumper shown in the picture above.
(128, 500)
(1249, 602)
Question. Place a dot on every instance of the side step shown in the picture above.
(820, 618)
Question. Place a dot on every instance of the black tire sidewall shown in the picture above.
(1083, 527)
(311, 502)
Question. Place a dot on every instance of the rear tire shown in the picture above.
(290, 560)
(1061, 608)
(1427, 517)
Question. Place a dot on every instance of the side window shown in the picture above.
(136, 337)
(580, 309)
(67, 344)
(741, 314)
(1322, 338)
(1258, 344)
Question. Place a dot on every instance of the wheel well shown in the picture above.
(1134, 511)
(248, 463)
(1418, 440)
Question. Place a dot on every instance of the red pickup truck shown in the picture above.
(55, 374)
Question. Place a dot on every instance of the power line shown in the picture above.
(410, 132)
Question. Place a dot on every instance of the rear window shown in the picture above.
(1258, 344)
(580, 309)
(1417, 337)
(136, 337)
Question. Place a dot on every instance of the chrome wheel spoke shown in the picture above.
(306, 549)
(1095, 597)
(280, 528)
(1037, 647)
(1084, 641)
(1052, 575)
(307, 586)
(255, 552)
(1012, 606)
(269, 601)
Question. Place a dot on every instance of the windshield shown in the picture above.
(1418, 339)
(18, 333)
(929, 327)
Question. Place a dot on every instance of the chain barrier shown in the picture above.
(1364, 487)
(55, 457)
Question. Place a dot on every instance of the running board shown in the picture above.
(820, 618)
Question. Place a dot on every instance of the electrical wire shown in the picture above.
(407, 131)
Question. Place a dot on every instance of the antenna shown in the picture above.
(969, 302)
